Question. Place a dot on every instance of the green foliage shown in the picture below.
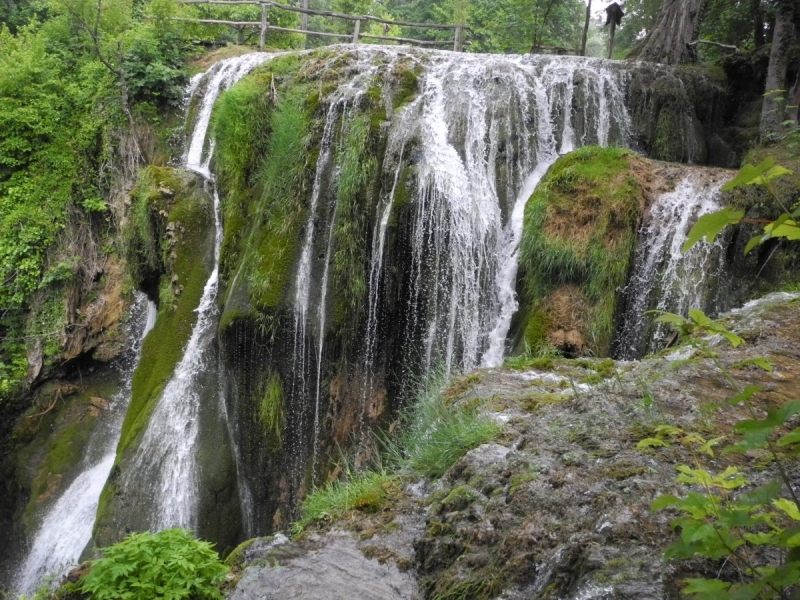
(262, 168)
(365, 491)
(271, 409)
(758, 531)
(154, 68)
(784, 227)
(502, 26)
(357, 168)
(697, 322)
(168, 564)
(437, 433)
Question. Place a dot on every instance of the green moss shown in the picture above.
(536, 331)
(235, 559)
(580, 230)
(668, 143)
(533, 402)
(357, 168)
(458, 499)
(408, 86)
(527, 362)
(190, 255)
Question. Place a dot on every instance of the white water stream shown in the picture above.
(664, 278)
(67, 526)
(166, 456)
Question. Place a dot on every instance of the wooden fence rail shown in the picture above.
(264, 26)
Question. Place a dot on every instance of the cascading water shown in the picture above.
(166, 457)
(67, 526)
(664, 278)
(486, 129)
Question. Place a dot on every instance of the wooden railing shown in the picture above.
(265, 27)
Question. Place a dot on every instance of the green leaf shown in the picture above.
(761, 495)
(788, 230)
(699, 317)
(756, 241)
(651, 442)
(746, 394)
(789, 507)
(664, 501)
(708, 226)
(759, 361)
(748, 174)
(774, 173)
(670, 318)
(790, 438)
(705, 589)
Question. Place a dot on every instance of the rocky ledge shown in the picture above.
(558, 506)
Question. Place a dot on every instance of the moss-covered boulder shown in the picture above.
(578, 242)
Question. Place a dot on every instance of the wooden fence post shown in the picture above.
(304, 16)
(262, 38)
(458, 44)
(357, 31)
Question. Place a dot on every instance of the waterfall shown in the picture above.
(488, 129)
(166, 456)
(664, 278)
(67, 526)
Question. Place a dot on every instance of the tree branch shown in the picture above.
(710, 43)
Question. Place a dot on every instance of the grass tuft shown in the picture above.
(365, 491)
(437, 434)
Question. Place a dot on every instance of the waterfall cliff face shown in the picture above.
(368, 215)
(160, 482)
(66, 528)
(390, 250)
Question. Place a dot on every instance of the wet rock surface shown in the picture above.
(332, 567)
(559, 505)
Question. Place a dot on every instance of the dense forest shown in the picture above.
(93, 98)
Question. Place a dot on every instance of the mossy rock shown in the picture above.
(186, 217)
(578, 242)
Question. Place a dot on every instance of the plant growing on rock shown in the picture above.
(758, 531)
(168, 564)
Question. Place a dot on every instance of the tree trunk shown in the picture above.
(675, 27)
(586, 27)
(773, 107)
(758, 23)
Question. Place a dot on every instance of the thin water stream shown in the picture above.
(66, 528)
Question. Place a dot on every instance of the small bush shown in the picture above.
(169, 564)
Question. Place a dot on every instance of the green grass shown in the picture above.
(365, 492)
(438, 433)
(271, 409)
(263, 159)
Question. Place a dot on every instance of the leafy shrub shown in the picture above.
(757, 532)
(169, 564)
(155, 69)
